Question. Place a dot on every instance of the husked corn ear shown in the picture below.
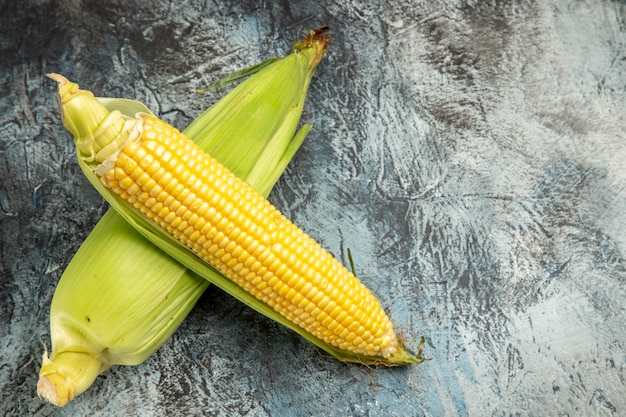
(215, 224)
(165, 176)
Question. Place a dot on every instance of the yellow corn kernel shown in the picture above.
(242, 231)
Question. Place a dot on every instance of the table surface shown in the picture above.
(470, 154)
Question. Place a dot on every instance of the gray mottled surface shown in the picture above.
(469, 153)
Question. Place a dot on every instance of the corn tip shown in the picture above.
(67, 88)
(317, 41)
(57, 77)
(55, 389)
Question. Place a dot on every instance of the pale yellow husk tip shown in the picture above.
(56, 389)
(67, 375)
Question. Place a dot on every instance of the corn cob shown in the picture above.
(204, 207)
(143, 295)
(223, 220)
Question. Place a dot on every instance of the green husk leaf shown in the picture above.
(237, 75)
(128, 107)
(267, 171)
(264, 102)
